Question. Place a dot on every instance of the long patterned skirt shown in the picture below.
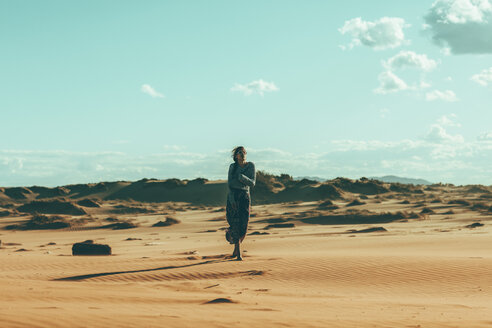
(237, 214)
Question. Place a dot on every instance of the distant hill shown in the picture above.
(269, 189)
(311, 178)
(396, 179)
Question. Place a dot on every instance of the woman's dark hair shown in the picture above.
(235, 151)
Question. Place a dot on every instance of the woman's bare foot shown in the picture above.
(236, 251)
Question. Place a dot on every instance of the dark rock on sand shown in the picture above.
(89, 248)
(220, 300)
(355, 202)
(169, 221)
(426, 210)
(459, 202)
(375, 229)
(474, 225)
(280, 225)
(120, 225)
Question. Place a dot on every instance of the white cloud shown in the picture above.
(484, 77)
(389, 82)
(462, 11)
(463, 26)
(485, 136)
(440, 154)
(448, 120)
(13, 164)
(437, 156)
(151, 91)
(120, 142)
(410, 59)
(424, 85)
(258, 87)
(438, 134)
(172, 147)
(384, 33)
(446, 95)
(383, 112)
(345, 145)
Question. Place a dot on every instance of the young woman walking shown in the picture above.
(241, 177)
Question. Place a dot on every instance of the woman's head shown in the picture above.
(239, 154)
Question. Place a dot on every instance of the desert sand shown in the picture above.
(365, 257)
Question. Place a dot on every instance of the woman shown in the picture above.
(241, 177)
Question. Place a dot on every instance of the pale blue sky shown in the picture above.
(74, 111)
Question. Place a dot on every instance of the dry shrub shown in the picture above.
(355, 202)
(41, 222)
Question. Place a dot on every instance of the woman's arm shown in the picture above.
(229, 175)
(249, 178)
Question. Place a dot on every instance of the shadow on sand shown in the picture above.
(101, 274)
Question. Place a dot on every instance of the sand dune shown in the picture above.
(314, 263)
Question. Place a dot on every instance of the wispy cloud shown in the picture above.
(446, 95)
(151, 91)
(172, 147)
(383, 112)
(487, 136)
(438, 134)
(255, 87)
(449, 120)
(484, 77)
(389, 83)
(384, 33)
(440, 154)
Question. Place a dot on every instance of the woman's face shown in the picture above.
(241, 157)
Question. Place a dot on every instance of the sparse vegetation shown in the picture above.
(41, 222)
(355, 202)
(53, 206)
(459, 202)
(360, 217)
(427, 210)
(120, 225)
(168, 222)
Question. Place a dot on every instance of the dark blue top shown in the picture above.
(243, 178)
